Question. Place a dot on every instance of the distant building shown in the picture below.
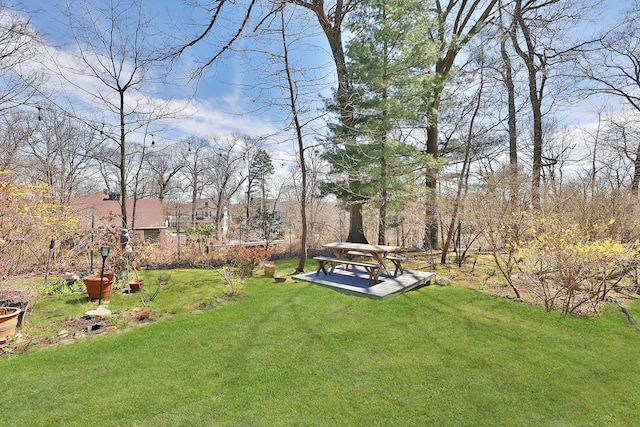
(205, 212)
(148, 223)
(182, 213)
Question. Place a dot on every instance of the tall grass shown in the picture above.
(299, 354)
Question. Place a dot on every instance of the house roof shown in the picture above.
(149, 214)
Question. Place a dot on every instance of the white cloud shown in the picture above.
(68, 84)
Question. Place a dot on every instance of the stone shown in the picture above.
(443, 281)
(71, 278)
(101, 311)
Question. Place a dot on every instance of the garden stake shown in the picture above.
(476, 258)
(104, 251)
(46, 273)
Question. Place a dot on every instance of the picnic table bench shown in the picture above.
(395, 259)
(379, 253)
(372, 268)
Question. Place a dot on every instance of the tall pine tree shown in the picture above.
(384, 61)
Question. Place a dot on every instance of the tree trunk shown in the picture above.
(382, 212)
(636, 172)
(511, 94)
(123, 168)
(194, 200)
(535, 97)
(430, 213)
(536, 175)
(303, 166)
(382, 216)
(332, 28)
(356, 228)
(511, 119)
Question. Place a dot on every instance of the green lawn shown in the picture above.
(296, 354)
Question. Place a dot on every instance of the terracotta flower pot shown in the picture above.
(22, 305)
(269, 270)
(136, 285)
(8, 321)
(92, 283)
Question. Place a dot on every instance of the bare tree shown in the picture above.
(196, 157)
(19, 83)
(465, 163)
(18, 46)
(614, 69)
(164, 166)
(619, 153)
(298, 127)
(59, 151)
(225, 176)
(458, 22)
(541, 38)
(114, 45)
(11, 141)
(289, 84)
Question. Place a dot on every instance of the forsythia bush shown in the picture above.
(572, 266)
(29, 220)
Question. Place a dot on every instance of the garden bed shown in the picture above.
(71, 330)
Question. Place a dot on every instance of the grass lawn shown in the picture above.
(297, 354)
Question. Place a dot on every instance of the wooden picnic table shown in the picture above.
(379, 253)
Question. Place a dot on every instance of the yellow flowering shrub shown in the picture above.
(572, 266)
(29, 220)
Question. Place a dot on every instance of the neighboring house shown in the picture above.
(149, 221)
(205, 213)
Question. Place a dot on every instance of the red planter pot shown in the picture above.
(136, 285)
(93, 285)
(8, 321)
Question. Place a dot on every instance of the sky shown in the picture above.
(233, 95)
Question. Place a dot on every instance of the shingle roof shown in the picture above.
(149, 214)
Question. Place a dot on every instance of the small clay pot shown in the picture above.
(269, 270)
(136, 285)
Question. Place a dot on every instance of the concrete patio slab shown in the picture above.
(354, 282)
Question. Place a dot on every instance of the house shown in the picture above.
(182, 215)
(147, 223)
(205, 212)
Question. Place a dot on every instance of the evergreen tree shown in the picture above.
(260, 168)
(384, 62)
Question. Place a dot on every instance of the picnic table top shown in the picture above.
(363, 247)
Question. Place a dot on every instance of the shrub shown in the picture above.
(62, 288)
(247, 259)
(29, 220)
(141, 252)
(573, 268)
